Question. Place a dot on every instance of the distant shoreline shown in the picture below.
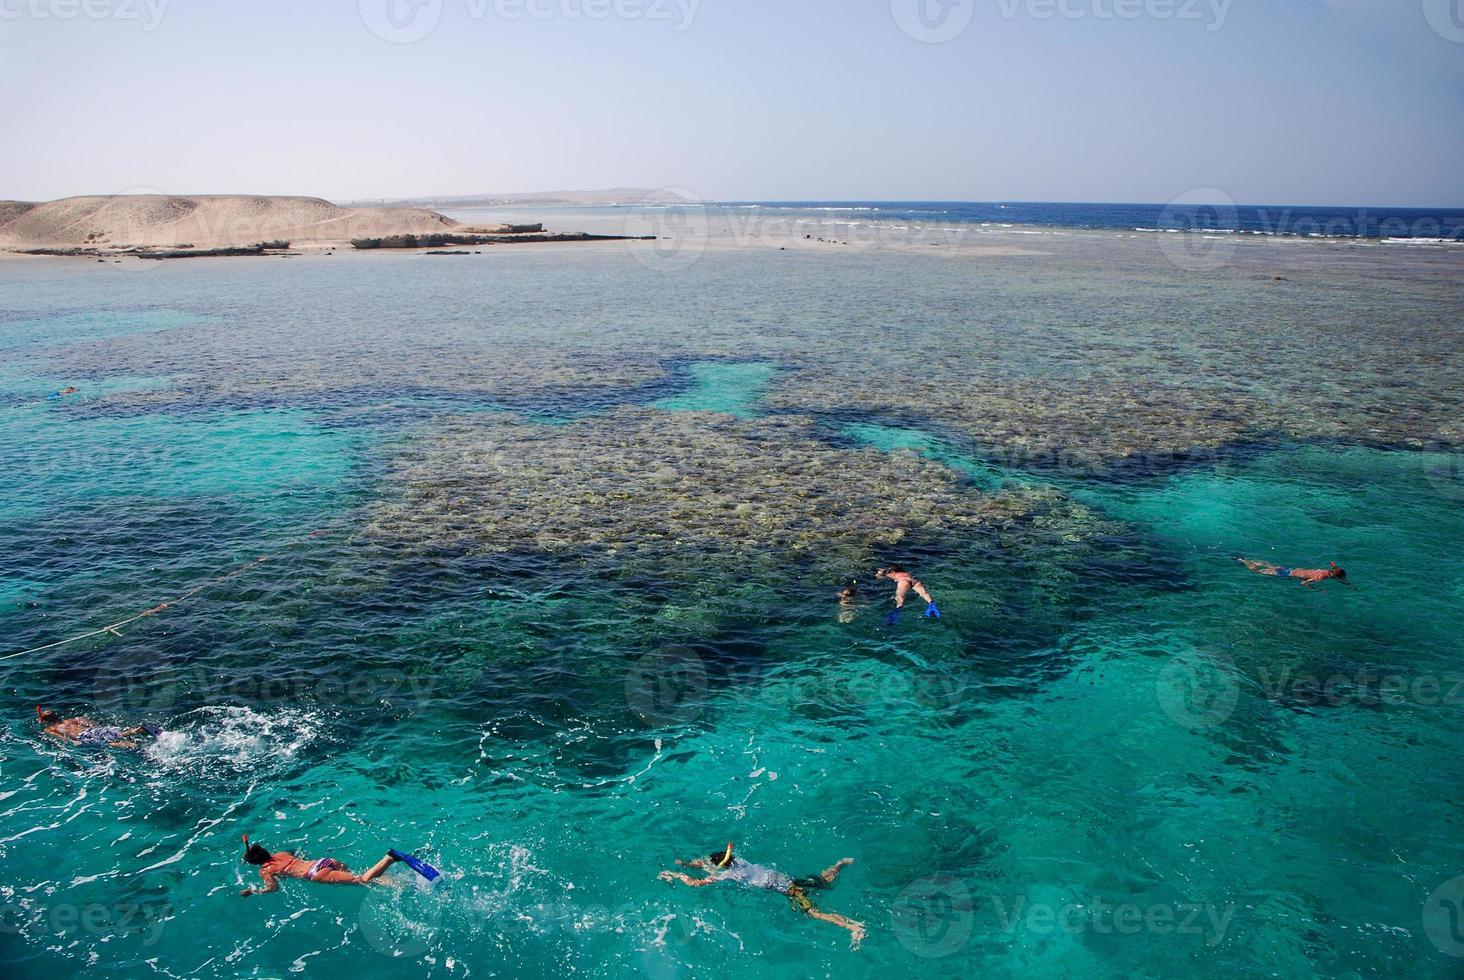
(162, 227)
(156, 227)
(1440, 224)
(1265, 220)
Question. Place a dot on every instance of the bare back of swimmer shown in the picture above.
(81, 730)
(904, 583)
(1308, 576)
(326, 871)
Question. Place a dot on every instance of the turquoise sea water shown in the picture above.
(1116, 754)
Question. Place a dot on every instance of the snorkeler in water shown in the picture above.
(327, 871)
(81, 730)
(904, 582)
(1308, 576)
(846, 601)
(724, 866)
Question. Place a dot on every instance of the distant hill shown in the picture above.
(614, 195)
(13, 209)
(203, 221)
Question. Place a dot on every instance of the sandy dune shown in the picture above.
(203, 221)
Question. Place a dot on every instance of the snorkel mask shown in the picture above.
(254, 853)
(707, 863)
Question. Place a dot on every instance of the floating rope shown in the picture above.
(113, 628)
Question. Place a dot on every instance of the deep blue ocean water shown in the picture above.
(1204, 215)
(1116, 754)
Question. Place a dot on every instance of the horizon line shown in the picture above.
(358, 200)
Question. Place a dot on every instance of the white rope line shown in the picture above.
(114, 627)
(82, 636)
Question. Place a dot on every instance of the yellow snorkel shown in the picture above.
(726, 857)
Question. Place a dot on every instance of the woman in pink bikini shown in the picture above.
(328, 871)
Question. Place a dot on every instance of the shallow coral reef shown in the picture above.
(1098, 355)
(641, 481)
(1042, 425)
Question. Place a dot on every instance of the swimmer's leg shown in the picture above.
(920, 591)
(378, 869)
(832, 871)
(801, 902)
(900, 590)
(1259, 567)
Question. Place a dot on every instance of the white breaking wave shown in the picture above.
(236, 739)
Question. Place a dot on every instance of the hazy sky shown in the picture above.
(1357, 102)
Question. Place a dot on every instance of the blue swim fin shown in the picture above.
(421, 867)
(931, 612)
(893, 618)
(151, 729)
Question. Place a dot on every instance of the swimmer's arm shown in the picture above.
(271, 884)
(685, 879)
